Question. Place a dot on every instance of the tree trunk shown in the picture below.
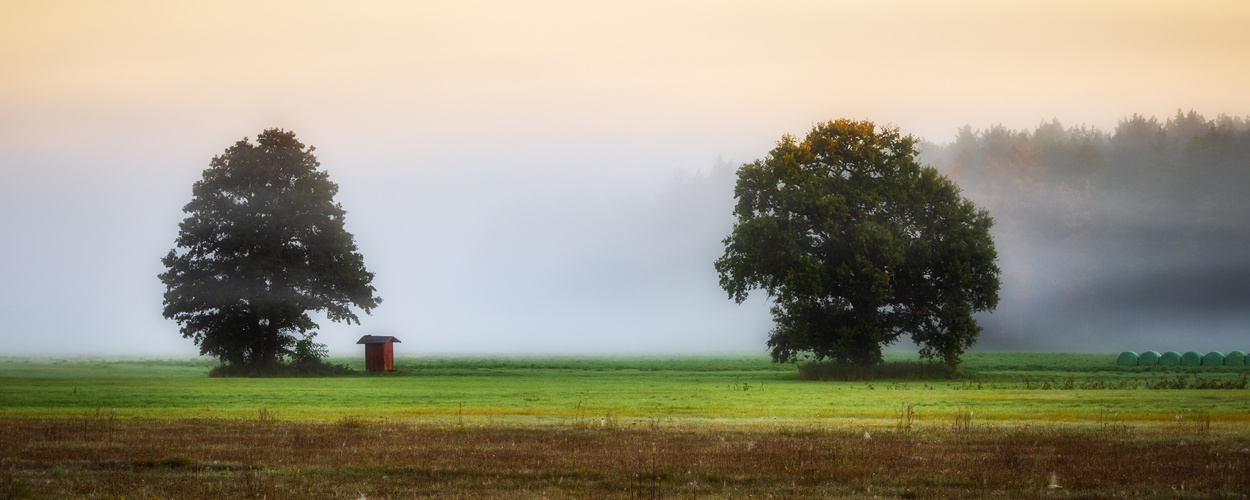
(272, 332)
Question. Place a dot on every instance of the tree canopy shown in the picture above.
(263, 245)
(858, 244)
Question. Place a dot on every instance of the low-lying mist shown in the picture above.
(1132, 239)
(1135, 238)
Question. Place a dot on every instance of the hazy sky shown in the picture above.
(520, 175)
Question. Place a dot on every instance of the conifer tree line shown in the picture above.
(1150, 216)
(1184, 159)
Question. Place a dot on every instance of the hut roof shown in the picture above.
(376, 339)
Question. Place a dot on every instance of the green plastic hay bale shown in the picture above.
(1235, 358)
(1191, 358)
(1170, 358)
(1213, 358)
(1127, 358)
(1148, 358)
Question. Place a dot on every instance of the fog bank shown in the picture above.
(1131, 239)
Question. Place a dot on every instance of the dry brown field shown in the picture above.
(353, 458)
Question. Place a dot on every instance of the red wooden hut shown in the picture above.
(379, 355)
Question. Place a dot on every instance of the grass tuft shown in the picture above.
(171, 462)
(349, 422)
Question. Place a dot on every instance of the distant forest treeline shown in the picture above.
(1132, 239)
(1141, 230)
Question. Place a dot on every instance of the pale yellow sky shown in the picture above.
(452, 67)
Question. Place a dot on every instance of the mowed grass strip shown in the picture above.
(352, 458)
(745, 389)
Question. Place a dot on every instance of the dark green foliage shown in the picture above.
(308, 352)
(1091, 383)
(858, 245)
(1048, 383)
(1184, 382)
(263, 244)
(1213, 358)
(1148, 358)
(1170, 358)
(1191, 358)
(1127, 358)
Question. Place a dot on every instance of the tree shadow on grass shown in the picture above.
(317, 368)
(895, 370)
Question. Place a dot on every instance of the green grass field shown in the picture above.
(1061, 388)
(1014, 425)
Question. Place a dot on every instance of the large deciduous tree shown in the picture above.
(858, 244)
(263, 245)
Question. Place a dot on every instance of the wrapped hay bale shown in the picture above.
(1148, 358)
(1170, 358)
(1127, 358)
(1213, 358)
(1191, 358)
(1235, 358)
